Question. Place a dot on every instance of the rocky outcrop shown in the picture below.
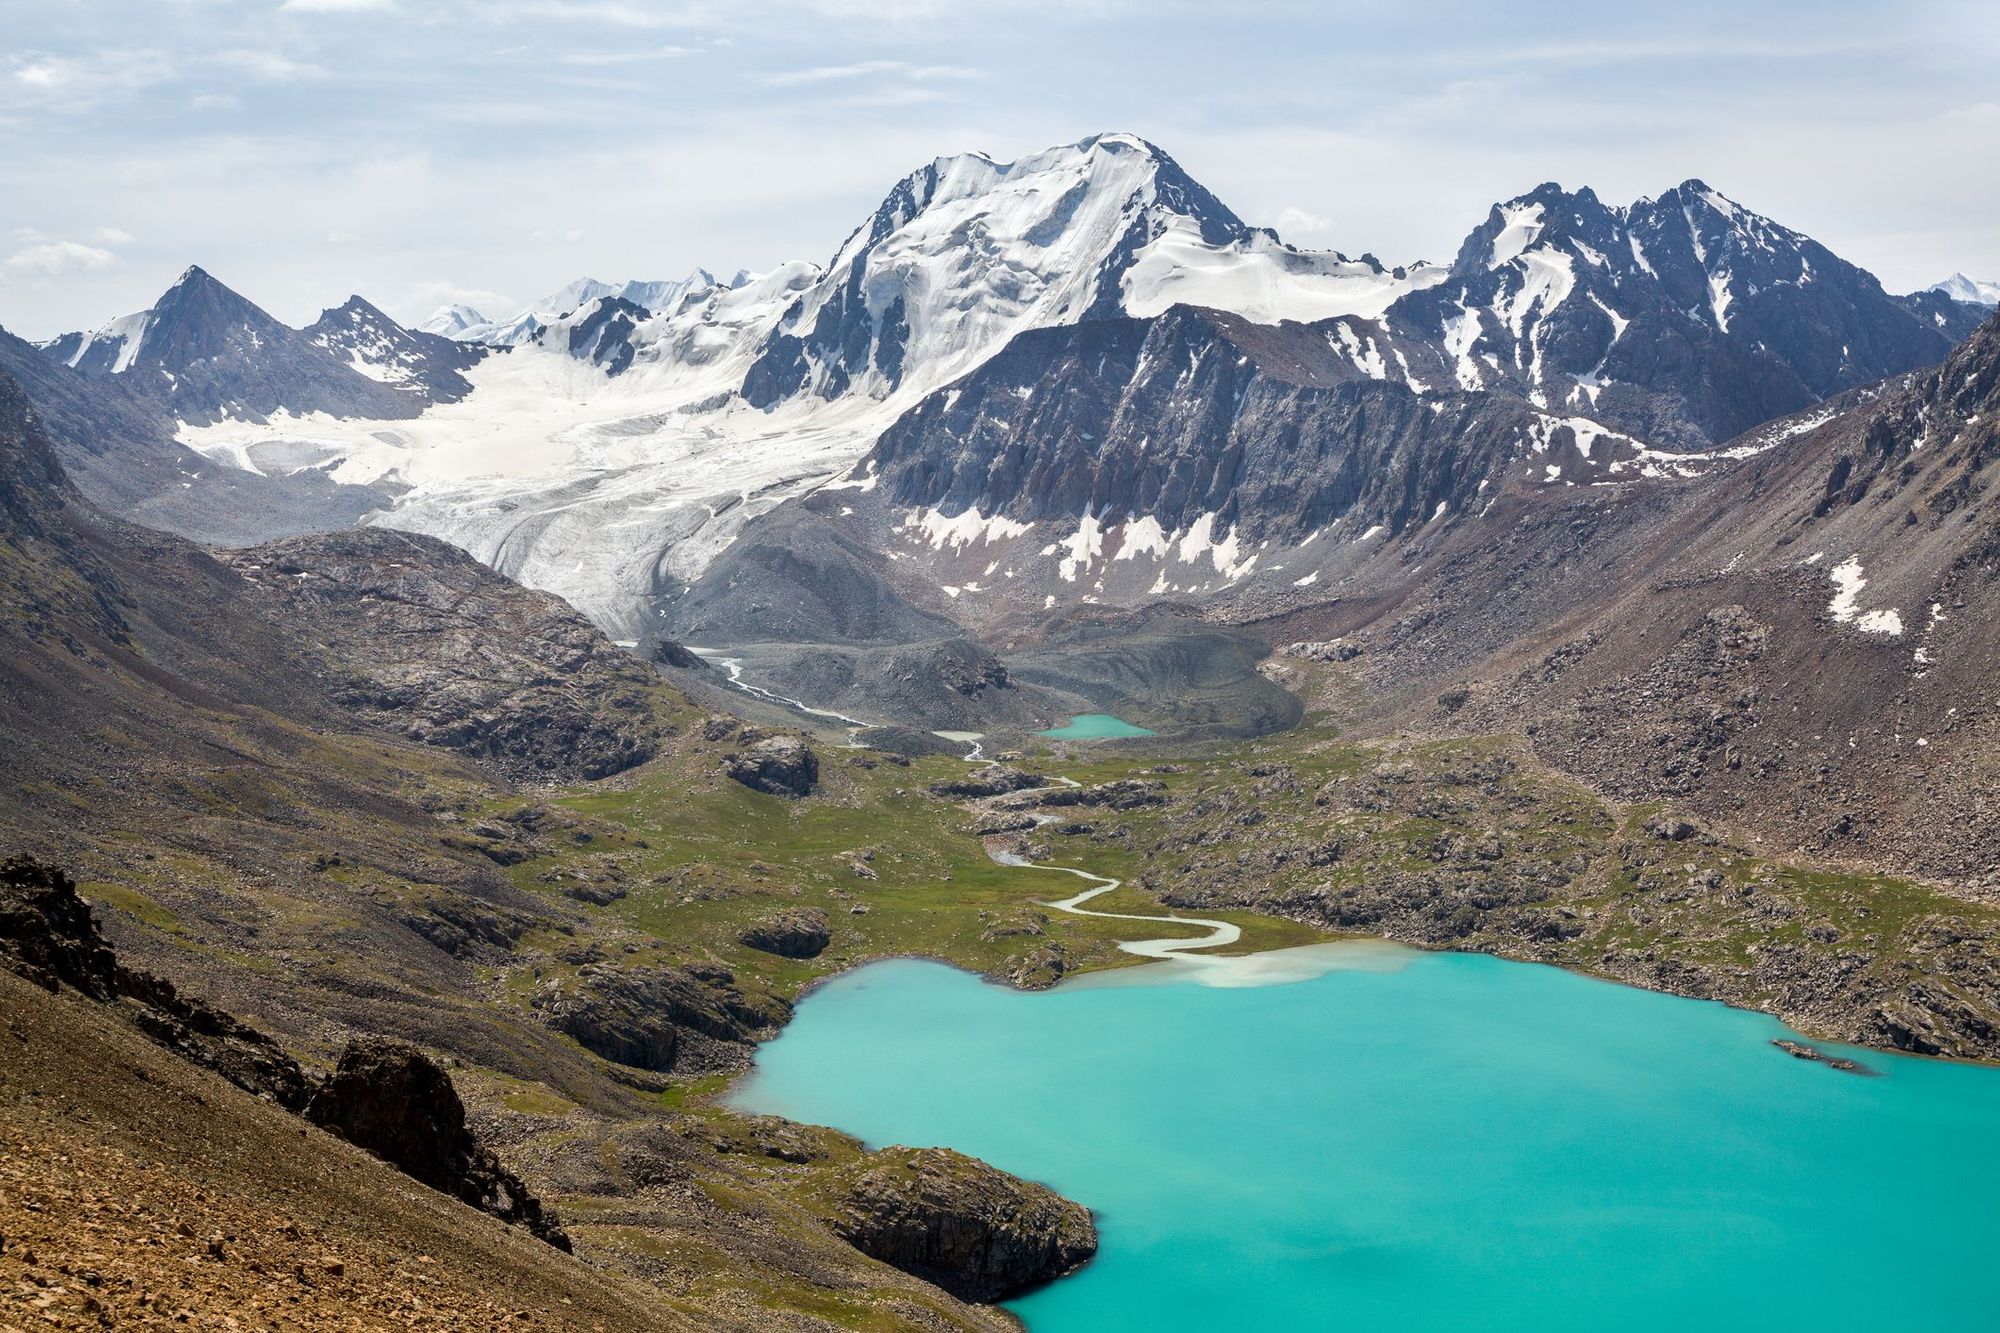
(659, 1018)
(1125, 794)
(49, 935)
(977, 1232)
(427, 641)
(391, 1099)
(775, 765)
(992, 780)
(798, 932)
(1798, 1050)
(422, 365)
(385, 1096)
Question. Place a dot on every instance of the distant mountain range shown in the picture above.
(610, 441)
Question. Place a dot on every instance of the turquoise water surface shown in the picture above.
(1426, 1142)
(1096, 727)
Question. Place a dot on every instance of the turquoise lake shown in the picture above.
(1096, 727)
(1419, 1141)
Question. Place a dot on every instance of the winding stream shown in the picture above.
(734, 666)
(1220, 933)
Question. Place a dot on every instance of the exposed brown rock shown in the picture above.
(979, 1233)
(798, 932)
(393, 1100)
(775, 765)
(429, 642)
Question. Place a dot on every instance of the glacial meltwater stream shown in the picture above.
(1357, 1136)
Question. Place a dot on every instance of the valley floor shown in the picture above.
(1292, 839)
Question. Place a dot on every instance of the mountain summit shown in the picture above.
(1972, 291)
(211, 354)
(1685, 318)
(967, 252)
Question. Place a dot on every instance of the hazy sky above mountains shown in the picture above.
(420, 151)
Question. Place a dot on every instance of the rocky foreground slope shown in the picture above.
(137, 1189)
(188, 742)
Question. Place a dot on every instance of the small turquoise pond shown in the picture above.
(1096, 727)
(1413, 1141)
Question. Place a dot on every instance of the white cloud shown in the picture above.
(827, 73)
(56, 257)
(73, 83)
(589, 58)
(611, 13)
(335, 6)
(1294, 221)
(862, 69)
(268, 66)
(112, 236)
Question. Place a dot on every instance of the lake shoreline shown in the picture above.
(1439, 1074)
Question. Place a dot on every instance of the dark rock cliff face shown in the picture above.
(441, 648)
(1192, 414)
(979, 1233)
(391, 1099)
(49, 935)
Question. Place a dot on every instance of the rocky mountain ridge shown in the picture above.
(646, 424)
(207, 354)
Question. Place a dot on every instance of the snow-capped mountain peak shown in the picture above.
(451, 320)
(373, 345)
(967, 252)
(526, 325)
(190, 321)
(1972, 291)
(212, 355)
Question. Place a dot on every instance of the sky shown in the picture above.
(488, 151)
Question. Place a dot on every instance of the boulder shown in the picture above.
(1670, 827)
(390, 1099)
(776, 765)
(978, 1232)
(657, 1018)
(798, 932)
